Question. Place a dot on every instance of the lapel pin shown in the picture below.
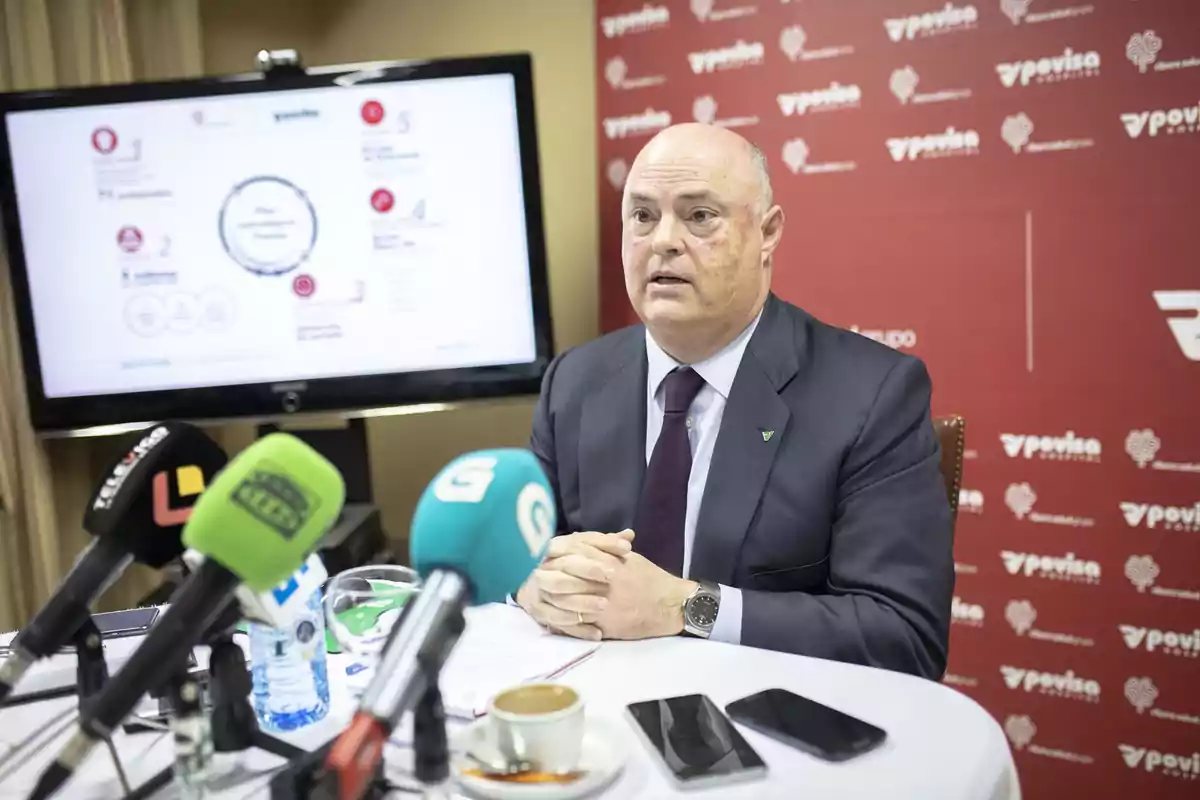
(767, 435)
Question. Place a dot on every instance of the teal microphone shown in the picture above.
(480, 529)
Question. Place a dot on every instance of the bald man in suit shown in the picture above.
(733, 468)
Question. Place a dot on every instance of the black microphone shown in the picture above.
(136, 514)
(261, 517)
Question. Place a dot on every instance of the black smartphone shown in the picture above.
(129, 622)
(695, 742)
(805, 724)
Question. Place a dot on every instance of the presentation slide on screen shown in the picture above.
(274, 237)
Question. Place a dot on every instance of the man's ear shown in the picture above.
(772, 231)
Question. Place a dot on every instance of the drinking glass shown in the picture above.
(361, 606)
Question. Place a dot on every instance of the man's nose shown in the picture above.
(667, 241)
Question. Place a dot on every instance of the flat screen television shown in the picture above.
(340, 238)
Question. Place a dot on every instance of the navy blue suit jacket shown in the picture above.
(836, 527)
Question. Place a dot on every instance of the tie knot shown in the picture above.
(680, 388)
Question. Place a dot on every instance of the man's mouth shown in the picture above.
(666, 280)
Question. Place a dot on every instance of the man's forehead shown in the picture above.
(686, 177)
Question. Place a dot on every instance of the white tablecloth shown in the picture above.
(941, 744)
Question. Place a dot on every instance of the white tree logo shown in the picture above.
(1020, 730)
(1142, 571)
(615, 71)
(904, 83)
(702, 8)
(1020, 497)
(704, 110)
(1141, 693)
(617, 172)
(1142, 49)
(1142, 446)
(791, 41)
(1015, 9)
(1021, 615)
(1016, 131)
(795, 154)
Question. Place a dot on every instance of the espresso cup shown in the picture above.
(542, 723)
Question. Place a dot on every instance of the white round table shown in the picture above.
(941, 744)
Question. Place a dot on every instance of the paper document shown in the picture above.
(501, 647)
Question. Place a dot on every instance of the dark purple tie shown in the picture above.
(663, 505)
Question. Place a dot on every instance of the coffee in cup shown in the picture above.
(542, 723)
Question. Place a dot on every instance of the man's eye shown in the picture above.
(703, 216)
(641, 215)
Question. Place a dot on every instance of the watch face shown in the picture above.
(702, 611)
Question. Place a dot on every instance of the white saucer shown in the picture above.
(603, 758)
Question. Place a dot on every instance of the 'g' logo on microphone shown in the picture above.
(535, 517)
(467, 481)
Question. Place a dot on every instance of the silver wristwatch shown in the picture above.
(700, 610)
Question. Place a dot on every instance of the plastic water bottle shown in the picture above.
(287, 666)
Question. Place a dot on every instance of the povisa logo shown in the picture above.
(1049, 69)
(1066, 567)
(948, 19)
(951, 142)
(116, 478)
(795, 156)
(894, 338)
(649, 121)
(648, 18)
(963, 613)
(1152, 640)
(1067, 447)
(832, 98)
(1173, 120)
(739, 54)
(1152, 515)
(1176, 766)
(704, 111)
(1067, 685)
(1186, 329)
(970, 500)
(1018, 12)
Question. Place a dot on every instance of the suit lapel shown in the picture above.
(612, 443)
(752, 427)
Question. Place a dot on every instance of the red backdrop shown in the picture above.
(1008, 189)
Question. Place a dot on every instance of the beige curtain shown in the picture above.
(45, 483)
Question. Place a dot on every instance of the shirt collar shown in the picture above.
(718, 370)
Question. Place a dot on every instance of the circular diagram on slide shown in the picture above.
(268, 225)
(145, 315)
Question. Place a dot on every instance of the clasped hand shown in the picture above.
(592, 586)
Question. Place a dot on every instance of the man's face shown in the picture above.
(692, 241)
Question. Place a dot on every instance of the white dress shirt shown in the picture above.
(704, 422)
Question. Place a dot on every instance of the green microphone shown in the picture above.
(257, 522)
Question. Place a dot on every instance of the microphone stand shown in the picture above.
(91, 670)
(431, 749)
(234, 726)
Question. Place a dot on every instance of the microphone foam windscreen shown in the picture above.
(267, 510)
(148, 491)
(488, 515)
